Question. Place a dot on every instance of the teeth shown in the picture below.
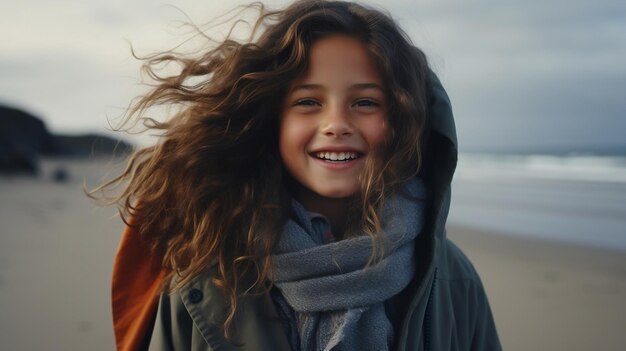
(336, 156)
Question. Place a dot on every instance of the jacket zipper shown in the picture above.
(428, 317)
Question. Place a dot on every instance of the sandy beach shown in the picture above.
(550, 296)
(56, 253)
(57, 247)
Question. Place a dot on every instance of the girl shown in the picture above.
(298, 199)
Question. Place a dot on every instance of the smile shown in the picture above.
(336, 156)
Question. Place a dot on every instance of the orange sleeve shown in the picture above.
(136, 285)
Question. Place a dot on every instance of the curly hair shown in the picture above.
(211, 191)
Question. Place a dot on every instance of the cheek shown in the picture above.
(296, 130)
(292, 138)
(375, 132)
(288, 135)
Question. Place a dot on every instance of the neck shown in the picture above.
(336, 210)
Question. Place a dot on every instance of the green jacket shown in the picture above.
(444, 307)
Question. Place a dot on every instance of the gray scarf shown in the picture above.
(337, 302)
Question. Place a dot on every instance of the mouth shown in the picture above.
(336, 156)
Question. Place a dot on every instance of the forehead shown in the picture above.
(340, 59)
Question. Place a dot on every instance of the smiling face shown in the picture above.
(333, 117)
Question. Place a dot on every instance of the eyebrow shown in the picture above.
(360, 86)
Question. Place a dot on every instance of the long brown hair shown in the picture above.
(211, 190)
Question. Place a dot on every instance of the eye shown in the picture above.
(307, 102)
(365, 103)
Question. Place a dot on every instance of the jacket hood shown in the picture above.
(439, 153)
(138, 276)
(441, 112)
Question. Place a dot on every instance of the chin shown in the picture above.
(337, 192)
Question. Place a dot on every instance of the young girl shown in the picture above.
(298, 199)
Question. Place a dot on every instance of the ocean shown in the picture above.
(577, 199)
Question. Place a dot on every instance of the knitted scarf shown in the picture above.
(335, 301)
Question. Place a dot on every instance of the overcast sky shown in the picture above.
(521, 74)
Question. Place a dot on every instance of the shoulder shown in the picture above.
(457, 279)
(454, 264)
(460, 293)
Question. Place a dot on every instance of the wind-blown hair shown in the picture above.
(212, 190)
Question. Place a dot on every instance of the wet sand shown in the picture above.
(57, 247)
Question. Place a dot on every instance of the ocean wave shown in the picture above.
(569, 167)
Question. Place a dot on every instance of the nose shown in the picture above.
(337, 123)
